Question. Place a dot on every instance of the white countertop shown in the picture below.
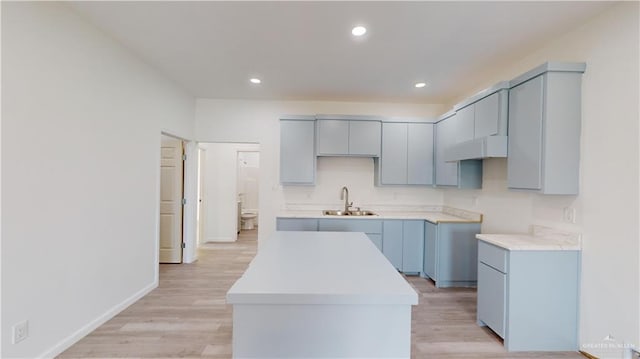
(433, 217)
(321, 268)
(541, 239)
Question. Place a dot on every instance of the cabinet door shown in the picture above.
(458, 252)
(392, 242)
(524, 162)
(393, 162)
(465, 124)
(430, 250)
(350, 225)
(333, 137)
(492, 292)
(297, 153)
(420, 153)
(297, 224)
(487, 114)
(412, 243)
(446, 172)
(364, 138)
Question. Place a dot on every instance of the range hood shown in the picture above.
(482, 119)
(477, 149)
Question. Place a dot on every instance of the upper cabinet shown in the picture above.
(461, 174)
(297, 150)
(348, 136)
(544, 129)
(407, 154)
(482, 125)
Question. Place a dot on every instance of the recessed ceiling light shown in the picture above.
(420, 84)
(359, 31)
(255, 80)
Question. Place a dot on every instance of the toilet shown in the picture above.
(248, 219)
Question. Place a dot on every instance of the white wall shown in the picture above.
(220, 189)
(258, 121)
(81, 123)
(607, 207)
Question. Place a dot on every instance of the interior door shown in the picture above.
(171, 189)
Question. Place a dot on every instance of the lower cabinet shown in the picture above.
(297, 224)
(402, 242)
(451, 254)
(529, 298)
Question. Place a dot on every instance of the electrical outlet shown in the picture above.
(569, 215)
(20, 331)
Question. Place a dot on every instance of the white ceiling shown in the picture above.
(305, 50)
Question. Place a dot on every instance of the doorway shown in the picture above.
(224, 187)
(171, 199)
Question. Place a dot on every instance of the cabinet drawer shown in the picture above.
(351, 225)
(297, 224)
(493, 256)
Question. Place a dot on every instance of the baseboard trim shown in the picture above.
(587, 355)
(94, 324)
(219, 239)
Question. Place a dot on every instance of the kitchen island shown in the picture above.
(321, 295)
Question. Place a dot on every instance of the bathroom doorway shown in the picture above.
(248, 180)
(229, 176)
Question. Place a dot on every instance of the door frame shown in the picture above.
(189, 192)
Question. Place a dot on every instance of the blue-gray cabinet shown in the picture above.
(342, 137)
(544, 129)
(392, 242)
(402, 242)
(460, 174)
(296, 224)
(451, 254)
(371, 227)
(407, 154)
(529, 297)
(297, 150)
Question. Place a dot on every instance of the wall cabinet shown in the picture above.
(544, 129)
(297, 151)
(407, 154)
(338, 137)
(402, 242)
(460, 174)
(450, 253)
(529, 298)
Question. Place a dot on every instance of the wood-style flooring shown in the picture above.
(186, 316)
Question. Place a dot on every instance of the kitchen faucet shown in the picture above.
(344, 194)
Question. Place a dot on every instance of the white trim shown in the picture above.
(94, 324)
(190, 192)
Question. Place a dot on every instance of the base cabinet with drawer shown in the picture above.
(529, 297)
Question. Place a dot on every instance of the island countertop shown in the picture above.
(320, 268)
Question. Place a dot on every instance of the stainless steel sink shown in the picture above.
(331, 212)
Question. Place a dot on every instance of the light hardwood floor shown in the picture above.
(186, 316)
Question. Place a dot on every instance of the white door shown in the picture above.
(201, 215)
(171, 179)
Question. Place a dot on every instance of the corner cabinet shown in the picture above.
(348, 137)
(544, 129)
(407, 154)
(451, 254)
(297, 150)
(459, 174)
(529, 297)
